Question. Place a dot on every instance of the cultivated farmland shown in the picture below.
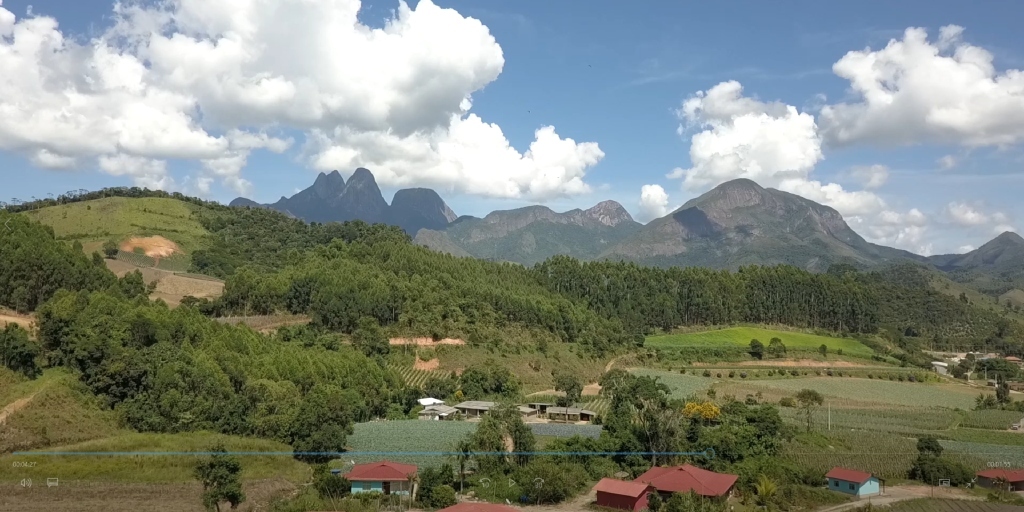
(939, 505)
(992, 419)
(739, 337)
(680, 386)
(855, 392)
(417, 436)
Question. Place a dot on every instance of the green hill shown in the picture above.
(119, 218)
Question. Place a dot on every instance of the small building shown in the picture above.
(542, 407)
(430, 401)
(940, 367)
(438, 412)
(1015, 360)
(856, 483)
(479, 506)
(622, 495)
(385, 477)
(474, 408)
(686, 478)
(1008, 479)
(527, 412)
(570, 414)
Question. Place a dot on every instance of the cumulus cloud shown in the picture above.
(920, 91)
(653, 202)
(190, 80)
(871, 176)
(947, 162)
(963, 249)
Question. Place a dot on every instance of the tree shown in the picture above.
(463, 454)
(1003, 392)
(756, 349)
(17, 352)
(221, 478)
(809, 401)
(329, 486)
(322, 423)
(823, 350)
(766, 490)
(654, 502)
(442, 496)
(370, 339)
(776, 348)
(110, 249)
(929, 445)
(572, 387)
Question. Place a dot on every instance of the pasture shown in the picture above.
(858, 392)
(680, 386)
(118, 218)
(739, 337)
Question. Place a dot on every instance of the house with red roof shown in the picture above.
(384, 477)
(1008, 479)
(857, 483)
(688, 478)
(622, 495)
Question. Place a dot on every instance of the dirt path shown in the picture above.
(14, 407)
(899, 493)
(8, 317)
(608, 367)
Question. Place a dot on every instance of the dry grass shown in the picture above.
(152, 246)
(170, 287)
(76, 496)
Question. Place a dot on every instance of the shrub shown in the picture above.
(787, 402)
(442, 496)
(839, 352)
(719, 375)
(828, 372)
(817, 372)
(732, 374)
(870, 376)
(912, 378)
(901, 378)
(743, 375)
(707, 373)
(794, 373)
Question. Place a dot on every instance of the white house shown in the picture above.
(430, 401)
(940, 367)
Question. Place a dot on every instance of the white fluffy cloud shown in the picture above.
(920, 91)
(946, 162)
(777, 146)
(190, 80)
(653, 202)
(871, 176)
(973, 216)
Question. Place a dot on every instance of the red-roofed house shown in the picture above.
(473, 506)
(688, 478)
(857, 483)
(385, 476)
(623, 495)
(1013, 480)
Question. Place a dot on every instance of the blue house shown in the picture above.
(856, 483)
(384, 477)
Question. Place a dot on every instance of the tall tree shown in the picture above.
(220, 475)
(809, 400)
(569, 384)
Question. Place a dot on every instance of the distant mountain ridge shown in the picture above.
(332, 199)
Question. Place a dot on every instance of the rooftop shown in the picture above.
(848, 475)
(382, 471)
(570, 411)
(621, 488)
(439, 409)
(1010, 475)
(469, 506)
(688, 478)
(476, 404)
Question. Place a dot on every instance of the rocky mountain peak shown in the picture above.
(414, 209)
(329, 185)
(609, 213)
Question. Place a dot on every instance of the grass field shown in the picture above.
(992, 419)
(740, 337)
(857, 392)
(680, 386)
(940, 505)
(118, 218)
(155, 468)
(895, 419)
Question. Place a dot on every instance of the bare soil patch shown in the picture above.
(592, 389)
(810, 363)
(425, 342)
(154, 246)
(428, 366)
(10, 317)
(14, 407)
(170, 287)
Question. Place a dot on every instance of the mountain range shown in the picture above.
(737, 223)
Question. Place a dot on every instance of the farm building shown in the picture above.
(474, 408)
(623, 495)
(1015, 360)
(1012, 479)
(430, 401)
(542, 407)
(570, 414)
(472, 506)
(385, 477)
(857, 483)
(438, 412)
(940, 367)
(527, 411)
(688, 478)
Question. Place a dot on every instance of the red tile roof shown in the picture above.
(1013, 359)
(688, 478)
(470, 506)
(848, 475)
(383, 471)
(621, 488)
(1012, 476)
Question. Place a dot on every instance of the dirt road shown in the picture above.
(899, 493)
(14, 407)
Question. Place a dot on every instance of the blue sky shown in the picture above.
(613, 74)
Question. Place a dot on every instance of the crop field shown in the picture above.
(993, 419)
(680, 386)
(741, 336)
(1012, 440)
(940, 505)
(900, 420)
(94, 222)
(400, 436)
(856, 392)
(888, 456)
(998, 455)
(413, 377)
(565, 430)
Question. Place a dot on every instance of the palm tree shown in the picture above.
(766, 490)
(465, 453)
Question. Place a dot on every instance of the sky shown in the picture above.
(906, 117)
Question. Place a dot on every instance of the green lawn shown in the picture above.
(741, 336)
(156, 468)
(118, 218)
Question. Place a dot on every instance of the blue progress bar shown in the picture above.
(709, 453)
